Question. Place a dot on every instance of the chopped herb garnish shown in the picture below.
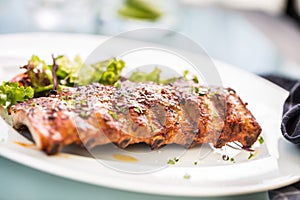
(202, 91)
(187, 176)
(251, 155)
(120, 109)
(195, 89)
(138, 109)
(216, 115)
(171, 162)
(232, 160)
(195, 163)
(83, 114)
(114, 115)
(185, 73)
(117, 84)
(151, 126)
(195, 79)
(214, 92)
(261, 139)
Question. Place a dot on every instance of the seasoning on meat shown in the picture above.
(183, 113)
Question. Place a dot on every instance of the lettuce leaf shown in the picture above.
(70, 73)
(12, 93)
(107, 72)
(153, 76)
(38, 72)
(68, 70)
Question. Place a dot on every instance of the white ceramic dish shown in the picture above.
(276, 164)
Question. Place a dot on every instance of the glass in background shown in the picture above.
(62, 15)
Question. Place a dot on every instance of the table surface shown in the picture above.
(226, 35)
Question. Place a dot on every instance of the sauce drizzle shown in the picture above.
(124, 158)
(23, 144)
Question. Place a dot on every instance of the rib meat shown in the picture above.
(183, 113)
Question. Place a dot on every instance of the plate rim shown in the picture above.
(10, 154)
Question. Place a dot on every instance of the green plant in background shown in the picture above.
(140, 9)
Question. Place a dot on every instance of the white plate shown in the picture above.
(276, 164)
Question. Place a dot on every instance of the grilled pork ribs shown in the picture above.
(183, 113)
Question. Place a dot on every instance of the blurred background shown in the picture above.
(261, 36)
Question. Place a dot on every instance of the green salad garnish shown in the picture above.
(12, 93)
(41, 78)
(153, 76)
(107, 72)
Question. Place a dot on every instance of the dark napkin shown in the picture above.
(290, 125)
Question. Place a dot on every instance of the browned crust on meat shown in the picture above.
(146, 112)
(239, 122)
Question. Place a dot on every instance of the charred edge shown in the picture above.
(24, 131)
(55, 148)
(249, 141)
(157, 143)
(124, 143)
(220, 143)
